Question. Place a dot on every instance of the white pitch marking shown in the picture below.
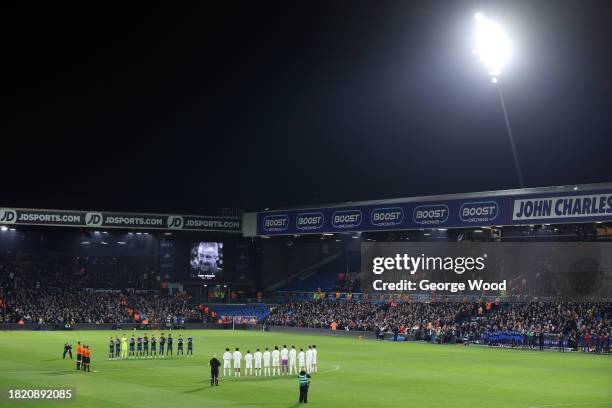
(575, 404)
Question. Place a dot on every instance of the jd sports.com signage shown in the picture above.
(91, 219)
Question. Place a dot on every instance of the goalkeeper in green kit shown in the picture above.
(124, 347)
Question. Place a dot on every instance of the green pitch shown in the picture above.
(352, 373)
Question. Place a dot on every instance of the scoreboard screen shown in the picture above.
(206, 260)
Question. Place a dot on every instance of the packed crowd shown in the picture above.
(365, 315)
(573, 323)
(63, 291)
(108, 273)
(69, 306)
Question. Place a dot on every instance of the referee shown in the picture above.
(214, 370)
(304, 380)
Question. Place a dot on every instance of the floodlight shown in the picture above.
(492, 45)
(493, 48)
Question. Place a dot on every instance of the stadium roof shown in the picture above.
(558, 204)
(437, 197)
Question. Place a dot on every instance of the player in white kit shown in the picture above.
(309, 360)
(314, 358)
(237, 358)
(292, 358)
(257, 356)
(227, 367)
(284, 360)
(266, 358)
(301, 359)
(248, 368)
(275, 361)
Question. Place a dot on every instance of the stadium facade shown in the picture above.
(548, 205)
(297, 248)
(279, 254)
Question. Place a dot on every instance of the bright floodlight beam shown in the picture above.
(493, 48)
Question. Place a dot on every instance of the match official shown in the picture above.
(79, 351)
(304, 380)
(214, 370)
(86, 358)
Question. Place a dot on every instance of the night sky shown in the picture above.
(192, 107)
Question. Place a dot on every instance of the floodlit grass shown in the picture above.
(352, 373)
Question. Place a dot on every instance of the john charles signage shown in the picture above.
(453, 213)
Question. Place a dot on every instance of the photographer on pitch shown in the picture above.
(67, 350)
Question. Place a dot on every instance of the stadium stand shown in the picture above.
(49, 289)
(580, 325)
(338, 272)
(326, 278)
(256, 311)
(56, 305)
(510, 325)
(72, 273)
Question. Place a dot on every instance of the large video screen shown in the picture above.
(207, 260)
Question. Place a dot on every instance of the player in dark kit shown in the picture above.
(139, 347)
(169, 349)
(162, 343)
(179, 348)
(153, 346)
(111, 349)
(117, 347)
(132, 344)
(145, 342)
(189, 346)
(214, 370)
(67, 350)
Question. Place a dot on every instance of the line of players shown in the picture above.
(139, 347)
(283, 362)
